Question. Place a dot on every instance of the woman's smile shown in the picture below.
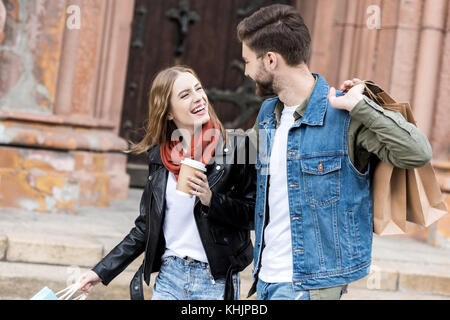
(200, 110)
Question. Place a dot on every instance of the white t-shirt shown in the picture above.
(276, 260)
(180, 228)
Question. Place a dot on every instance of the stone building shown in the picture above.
(75, 74)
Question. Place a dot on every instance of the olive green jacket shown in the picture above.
(376, 131)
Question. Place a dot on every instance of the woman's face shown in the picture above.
(188, 103)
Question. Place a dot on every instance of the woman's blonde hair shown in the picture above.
(159, 129)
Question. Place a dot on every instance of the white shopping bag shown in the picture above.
(47, 294)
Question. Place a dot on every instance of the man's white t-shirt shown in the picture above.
(276, 260)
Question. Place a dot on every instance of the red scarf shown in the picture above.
(202, 148)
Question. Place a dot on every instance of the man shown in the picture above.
(314, 218)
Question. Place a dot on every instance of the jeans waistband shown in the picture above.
(188, 260)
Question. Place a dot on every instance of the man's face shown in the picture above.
(255, 69)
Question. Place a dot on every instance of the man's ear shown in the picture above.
(271, 60)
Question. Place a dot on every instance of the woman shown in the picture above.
(200, 244)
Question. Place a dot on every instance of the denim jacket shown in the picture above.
(330, 201)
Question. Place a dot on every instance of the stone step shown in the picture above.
(52, 249)
(85, 250)
(39, 250)
(366, 294)
(23, 280)
(72, 250)
(57, 249)
(385, 275)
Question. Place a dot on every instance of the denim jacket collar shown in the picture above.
(312, 116)
(319, 99)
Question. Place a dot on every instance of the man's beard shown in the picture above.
(264, 84)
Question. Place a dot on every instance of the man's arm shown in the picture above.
(382, 132)
(389, 136)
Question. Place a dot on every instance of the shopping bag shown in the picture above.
(425, 204)
(389, 182)
(389, 200)
(402, 195)
(47, 294)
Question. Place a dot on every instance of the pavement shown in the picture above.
(42, 249)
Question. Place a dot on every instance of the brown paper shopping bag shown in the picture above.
(402, 195)
(425, 204)
(389, 200)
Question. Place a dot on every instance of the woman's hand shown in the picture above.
(201, 188)
(88, 280)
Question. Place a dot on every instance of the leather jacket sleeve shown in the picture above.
(237, 207)
(128, 249)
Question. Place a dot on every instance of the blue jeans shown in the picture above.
(186, 279)
(286, 291)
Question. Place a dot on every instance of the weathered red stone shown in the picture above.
(55, 181)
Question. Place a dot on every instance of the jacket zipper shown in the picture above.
(148, 233)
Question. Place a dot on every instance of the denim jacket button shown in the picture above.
(320, 167)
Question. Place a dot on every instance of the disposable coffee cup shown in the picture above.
(188, 169)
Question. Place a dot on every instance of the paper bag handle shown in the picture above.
(381, 97)
(67, 293)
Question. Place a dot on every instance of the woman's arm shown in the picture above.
(128, 249)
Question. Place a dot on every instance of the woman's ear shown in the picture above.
(170, 116)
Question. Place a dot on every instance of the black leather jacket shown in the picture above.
(224, 226)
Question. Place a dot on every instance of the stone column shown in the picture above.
(440, 135)
(429, 63)
(2, 17)
(59, 147)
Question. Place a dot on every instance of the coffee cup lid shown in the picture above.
(194, 164)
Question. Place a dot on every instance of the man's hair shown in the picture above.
(278, 28)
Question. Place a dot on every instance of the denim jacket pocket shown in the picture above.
(321, 179)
